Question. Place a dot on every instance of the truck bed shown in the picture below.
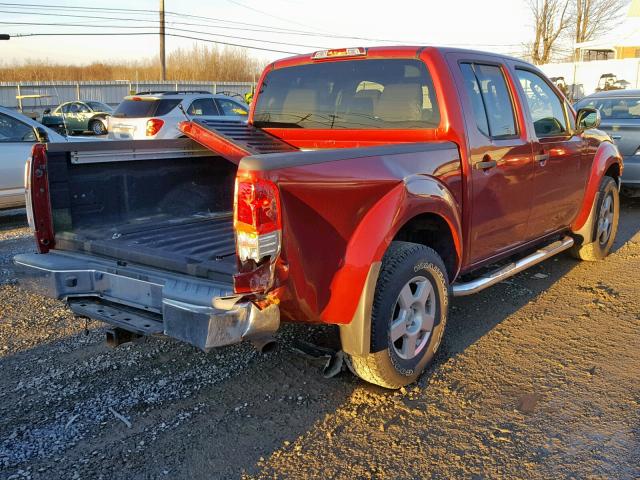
(200, 245)
(166, 205)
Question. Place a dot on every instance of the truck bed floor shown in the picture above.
(199, 245)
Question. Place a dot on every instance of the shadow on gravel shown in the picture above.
(216, 415)
(16, 217)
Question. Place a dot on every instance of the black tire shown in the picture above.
(601, 241)
(390, 363)
(98, 127)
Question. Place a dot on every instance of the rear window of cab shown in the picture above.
(349, 94)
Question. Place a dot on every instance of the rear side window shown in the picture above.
(349, 94)
(489, 93)
(145, 108)
(473, 91)
(203, 106)
(546, 108)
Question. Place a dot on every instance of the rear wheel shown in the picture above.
(408, 318)
(607, 214)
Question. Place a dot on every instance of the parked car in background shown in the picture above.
(79, 117)
(18, 133)
(620, 113)
(149, 115)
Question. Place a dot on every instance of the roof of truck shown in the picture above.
(400, 51)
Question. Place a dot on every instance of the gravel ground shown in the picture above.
(538, 377)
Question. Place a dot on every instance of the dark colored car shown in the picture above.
(620, 113)
(79, 117)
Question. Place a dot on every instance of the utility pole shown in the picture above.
(163, 64)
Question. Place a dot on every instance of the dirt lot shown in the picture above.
(539, 377)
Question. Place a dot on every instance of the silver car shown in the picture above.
(620, 112)
(18, 133)
(156, 115)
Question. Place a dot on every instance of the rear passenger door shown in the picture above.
(560, 166)
(500, 159)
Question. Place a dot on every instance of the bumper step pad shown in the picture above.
(132, 320)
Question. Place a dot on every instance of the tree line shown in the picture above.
(200, 63)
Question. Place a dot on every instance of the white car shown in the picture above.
(156, 115)
(18, 133)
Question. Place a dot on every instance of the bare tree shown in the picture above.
(551, 19)
(595, 17)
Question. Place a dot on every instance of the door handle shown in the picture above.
(486, 164)
(616, 137)
(542, 158)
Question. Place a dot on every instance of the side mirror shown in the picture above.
(588, 118)
(47, 111)
(42, 135)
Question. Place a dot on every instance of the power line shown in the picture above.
(108, 34)
(271, 29)
(169, 28)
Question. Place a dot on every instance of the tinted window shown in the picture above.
(82, 108)
(203, 106)
(545, 107)
(362, 94)
(623, 108)
(228, 107)
(12, 130)
(473, 90)
(497, 100)
(145, 108)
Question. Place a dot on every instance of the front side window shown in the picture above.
(229, 107)
(546, 108)
(12, 130)
(349, 94)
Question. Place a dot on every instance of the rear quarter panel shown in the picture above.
(340, 216)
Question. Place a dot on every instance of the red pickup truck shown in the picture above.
(371, 186)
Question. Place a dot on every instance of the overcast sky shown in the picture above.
(496, 25)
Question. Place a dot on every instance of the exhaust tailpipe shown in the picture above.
(264, 345)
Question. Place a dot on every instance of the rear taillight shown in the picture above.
(258, 226)
(153, 126)
(38, 202)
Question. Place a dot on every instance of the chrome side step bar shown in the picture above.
(489, 279)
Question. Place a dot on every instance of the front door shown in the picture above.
(560, 166)
(501, 162)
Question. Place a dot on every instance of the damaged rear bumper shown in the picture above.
(147, 301)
